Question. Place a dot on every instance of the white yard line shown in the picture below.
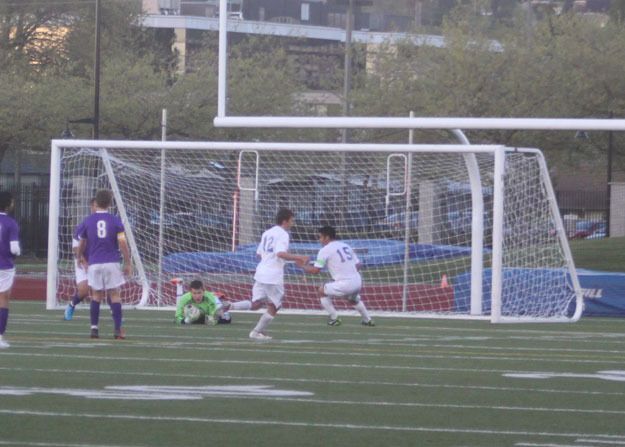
(418, 355)
(374, 341)
(270, 422)
(57, 444)
(116, 373)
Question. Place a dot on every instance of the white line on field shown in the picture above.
(269, 422)
(532, 444)
(488, 329)
(333, 365)
(55, 444)
(601, 441)
(366, 342)
(323, 381)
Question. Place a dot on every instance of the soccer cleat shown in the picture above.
(368, 323)
(259, 336)
(335, 322)
(95, 333)
(69, 312)
(120, 335)
(3, 343)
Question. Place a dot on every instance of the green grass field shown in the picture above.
(406, 382)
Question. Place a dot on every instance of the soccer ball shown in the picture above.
(191, 314)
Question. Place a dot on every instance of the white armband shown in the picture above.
(15, 248)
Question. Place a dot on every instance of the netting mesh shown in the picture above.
(408, 218)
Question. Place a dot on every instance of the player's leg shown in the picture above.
(273, 293)
(82, 291)
(96, 281)
(6, 283)
(362, 309)
(328, 306)
(116, 313)
(114, 279)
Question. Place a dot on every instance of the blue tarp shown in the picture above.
(371, 252)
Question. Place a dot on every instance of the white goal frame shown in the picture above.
(469, 151)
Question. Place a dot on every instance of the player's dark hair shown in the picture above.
(328, 231)
(283, 215)
(5, 200)
(196, 284)
(103, 198)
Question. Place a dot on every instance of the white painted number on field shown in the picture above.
(144, 392)
(617, 376)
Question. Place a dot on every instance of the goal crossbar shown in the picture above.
(363, 122)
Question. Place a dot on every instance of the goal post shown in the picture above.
(452, 230)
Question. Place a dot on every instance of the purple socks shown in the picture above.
(4, 318)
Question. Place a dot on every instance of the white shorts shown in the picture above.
(81, 273)
(273, 292)
(6, 279)
(105, 276)
(348, 289)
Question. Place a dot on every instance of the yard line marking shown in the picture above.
(324, 381)
(601, 441)
(418, 325)
(616, 376)
(64, 444)
(268, 422)
(376, 342)
(419, 355)
(149, 392)
(531, 444)
(183, 345)
(258, 392)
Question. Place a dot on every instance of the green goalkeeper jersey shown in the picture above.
(208, 305)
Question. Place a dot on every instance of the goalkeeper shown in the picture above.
(199, 306)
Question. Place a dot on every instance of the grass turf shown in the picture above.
(403, 383)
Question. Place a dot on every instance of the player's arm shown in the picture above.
(210, 307)
(123, 247)
(318, 265)
(14, 238)
(80, 253)
(183, 301)
(292, 257)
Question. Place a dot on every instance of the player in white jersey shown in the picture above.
(342, 264)
(82, 287)
(269, 277)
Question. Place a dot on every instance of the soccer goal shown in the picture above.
(440, 230)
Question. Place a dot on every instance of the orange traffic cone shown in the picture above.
(444, 282)
(178, 282)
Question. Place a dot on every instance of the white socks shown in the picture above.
(360, 307)
(264, 321)
(241, 305)
(327, 304)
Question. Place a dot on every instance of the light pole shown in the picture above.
(609, 177)
(96, 75)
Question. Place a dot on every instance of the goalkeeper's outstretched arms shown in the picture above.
(184, 300)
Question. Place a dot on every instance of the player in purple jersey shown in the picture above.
(9, 249)
(82, 285)
(101, 239)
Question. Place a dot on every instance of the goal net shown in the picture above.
(440, 230)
